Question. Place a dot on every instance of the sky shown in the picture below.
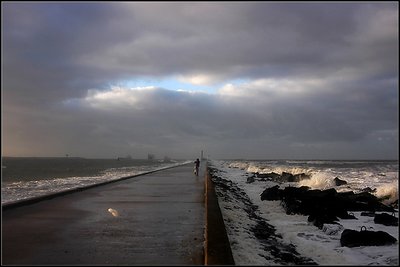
(256, 80)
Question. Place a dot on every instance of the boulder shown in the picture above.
(270, 176)
(339, 182)
(319, 219)
(287, 177)
(272, 193)
(386, 219)
(250, 179)
(369, 190)
(323, 206)
(353, 238)
(362, 202)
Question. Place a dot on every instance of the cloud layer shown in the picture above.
(317, 80)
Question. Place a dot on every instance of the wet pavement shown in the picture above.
(152, 219)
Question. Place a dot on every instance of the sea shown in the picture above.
(249, 220)
(29, 177)
(246, 216)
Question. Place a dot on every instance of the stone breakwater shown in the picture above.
(279, 252)
(325, 207)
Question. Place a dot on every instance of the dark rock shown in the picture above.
(295, 200)
(319, 219)
(323, 206)
(386, 219)
(352, 238)
(362, 202)
(287, 177)
(250, 179)
(272, 176)
(292, 206)
(369, 190)
(301, 200)
(394, 204)
(272, 193)
(328, 215)
(339, 182)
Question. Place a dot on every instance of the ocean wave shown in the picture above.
(319, 180)
(388, 192)
(359, 175)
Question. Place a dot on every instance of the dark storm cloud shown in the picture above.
(253, 40)
(319, 77)
(108, 41)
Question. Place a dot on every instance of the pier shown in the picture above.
(167, 217)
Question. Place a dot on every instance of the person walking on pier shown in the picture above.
(196, 167)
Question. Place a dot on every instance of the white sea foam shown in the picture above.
(318, 180)
(389, 192)
(259, 168)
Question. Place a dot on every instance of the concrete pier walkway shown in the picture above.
(152, 219)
